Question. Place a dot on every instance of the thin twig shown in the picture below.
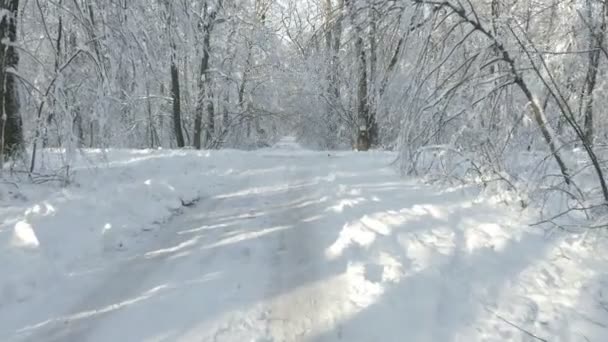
(520, 328)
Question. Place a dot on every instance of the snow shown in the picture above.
(285, 244)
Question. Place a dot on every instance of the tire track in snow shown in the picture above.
(307, 292)
(289, 317)
(123, 284)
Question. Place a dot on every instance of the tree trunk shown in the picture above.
(337, 35)
(362, 97)
(596, 40)
(372, 123)
(10, 118)
(363, 119)
(175, 88)
(241, 91)
(210, 131)
(330, 114)
(177, 111)
(204, 101)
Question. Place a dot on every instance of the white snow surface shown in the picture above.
(284, 244)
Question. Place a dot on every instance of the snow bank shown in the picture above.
(522, 178)
(466, 265)
(116, 199)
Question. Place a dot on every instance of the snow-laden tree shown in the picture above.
(473, 89)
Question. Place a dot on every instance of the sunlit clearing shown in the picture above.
(24, 236)
(246, 236)
(173, 249)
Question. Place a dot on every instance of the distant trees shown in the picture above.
(209, 74)
(410, 75)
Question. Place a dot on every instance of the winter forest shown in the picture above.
(504, 96)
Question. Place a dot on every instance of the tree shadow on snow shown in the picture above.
(221, 264)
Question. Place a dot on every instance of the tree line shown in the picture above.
(482, 80)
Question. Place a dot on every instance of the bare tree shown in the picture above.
(10, 117)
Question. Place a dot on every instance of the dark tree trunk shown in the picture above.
(175, 89)
(10, 118)
(372, 123)
(204, 100)
(210, 120)
(177, 111)
(363, 116)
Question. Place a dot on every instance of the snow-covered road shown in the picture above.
(294, 245)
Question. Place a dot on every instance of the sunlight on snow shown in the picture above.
(338, 299)
(364, 230)
(46, 209)
(204, 228)
(303, 311)
(268, 189)
(312, 218)
(428, 209)
(255, 191)
(350, 233)
(95, 312)
(346, 203)
(173, 249)
(483, 235)
(106, 228)
(24, 236)
(392, 268)
(548, 292)
(246, 236)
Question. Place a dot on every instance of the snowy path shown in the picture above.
(305, 246)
